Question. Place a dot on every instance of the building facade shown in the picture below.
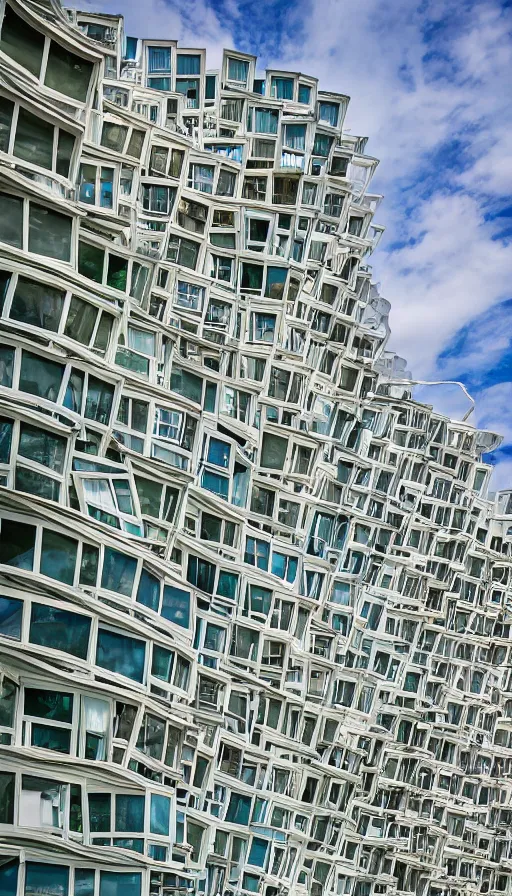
(255, 599)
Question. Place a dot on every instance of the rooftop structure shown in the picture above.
(255, 606)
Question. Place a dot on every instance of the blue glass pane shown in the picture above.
(215, 483)
(329, 112)
(219, 453)
(258, 852)
(176, 605)
(121, 654)
(227, 584)
(84, 882)
(159, 83)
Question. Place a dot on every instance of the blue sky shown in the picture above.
(430, 83)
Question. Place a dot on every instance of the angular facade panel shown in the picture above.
(255, 600)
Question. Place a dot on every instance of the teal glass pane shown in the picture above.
(50, 738)
(47, 704)
(129, 813)
(47, 878)
(118, 572)
(239, 809)
(36, 484)
(227, 584)
(176, 605)
(60, 629)
(7, 787)
(160, 811)
(162, 664)
(84, 882)
(117, 272)
(58, 556)
(121, 654)
(123, 884)
(99, 812)
(11, 611)
(148, 592)
(9, 877)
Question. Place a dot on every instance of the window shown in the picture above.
(285, 191)
(121, 654)
(61, 70)
(238, 71)
(182, 251)
(328, 112)
(96, 185)
(188, 64)
(262, 121)
(294, 136)
(255, 188)
(49, 232)
(304, 94)
(34, 139)
(282, 88)
(200, 177)
(263, 327)
(51, 627)
(189, 295)
(158, 199)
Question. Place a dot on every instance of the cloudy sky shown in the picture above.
(430, 83)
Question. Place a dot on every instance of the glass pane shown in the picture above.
(6, 110)
(11, 611)
(118, 572)
(124, 884)
(17, 542)
(121, 654)
(117, 272)
(5, 439)
(6, 365)
(49, 705)
(39, 376)
(37, 304)
(11, 220)
(99, 400)
(67, 73)
(49, 737)
(9, 877)
(159, 819)
(52, 880)
(36, 484)
(273, 451)
(34, 139)
(148, 592)
(58, 556)
(129, 813)
(90, 261)
(113, 136)
(49, 233)
(60, 629)
(81, 320)
(43, 447)
(22, 42)
(135, 144)
(65, 147)
(176, 605)
(84, 882)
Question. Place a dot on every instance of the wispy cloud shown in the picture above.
(430, 86)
